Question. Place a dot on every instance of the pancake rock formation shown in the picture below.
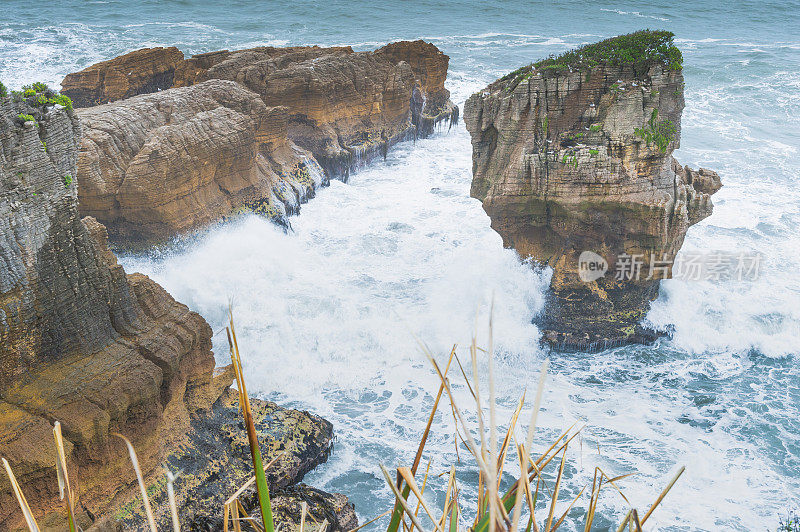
(157, 165)
(104, 352)
(573, 154)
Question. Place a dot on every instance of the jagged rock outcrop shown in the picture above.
(160, 164)
(103, 352)
(81, 342)
(215, 462)
(570, 158)
(138, 72)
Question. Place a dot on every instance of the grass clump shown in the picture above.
(67, 181)
(3, 90)
(497, 509)
(39, 95)
(791, 524)
(659, 132)
(639, 50)
(26, 118)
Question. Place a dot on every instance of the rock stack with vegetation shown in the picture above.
(574, 153)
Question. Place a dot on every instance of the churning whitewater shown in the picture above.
(329, 315)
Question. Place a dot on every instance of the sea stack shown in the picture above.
(573, 154)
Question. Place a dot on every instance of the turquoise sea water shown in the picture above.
(327, 312)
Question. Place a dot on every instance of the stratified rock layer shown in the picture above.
(158, 165)
(81, 342)
(138, 72)
(104, 352)
(560, 170)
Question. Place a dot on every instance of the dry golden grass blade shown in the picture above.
(451, 481)
(531, 502)
(663, 494)
(151, 521)
(537, 404)
(596, 486)
(625, 521)
(523, 475)
(303, 510)
(612, 481)
(359, 527)
(560, 476)
(173, 506)
(400, 498)
(426, 433)
(635, 520)
(493, 458)
(63, 476)
(226, 514)
(422, 489)
(501, 459)
(466, 379)
(23, 502)
(324, 526)
(409, 478)
(564, 515)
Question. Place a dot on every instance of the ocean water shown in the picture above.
(328, 314)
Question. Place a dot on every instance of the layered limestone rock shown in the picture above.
(160, 164)
(138, 72)
(104, 352)
(431, 102)
(567, 160)
(80, 341)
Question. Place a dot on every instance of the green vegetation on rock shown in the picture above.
(639, 50)
(26, 118)
(661, 133)
(3, 90)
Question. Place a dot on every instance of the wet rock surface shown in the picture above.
(214, 462)
(567, 161)
(160, 165)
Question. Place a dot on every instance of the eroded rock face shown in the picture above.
(104, 352)
(560, 170)
(80, 341)
(160, 164)
(138, 72)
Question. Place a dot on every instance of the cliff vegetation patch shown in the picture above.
(659, 132)
(639, 50)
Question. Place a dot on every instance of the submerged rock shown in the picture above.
(574, 154)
